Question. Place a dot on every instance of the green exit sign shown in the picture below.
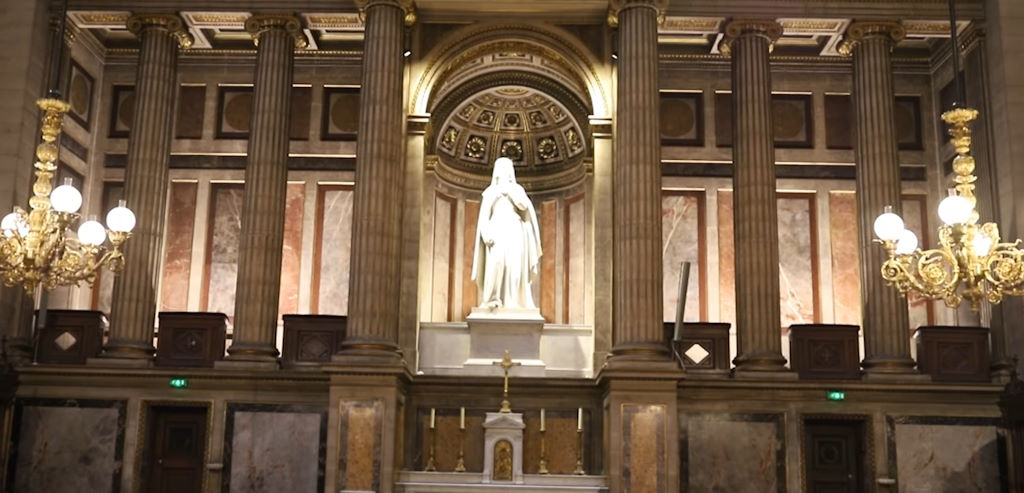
(836, 395)
(179, 382)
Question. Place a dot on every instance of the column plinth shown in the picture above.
(758, 319)
(372, 333)
(884, 312)
(133, 307)
(266, 181)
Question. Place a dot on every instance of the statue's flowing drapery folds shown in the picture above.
(507, 253)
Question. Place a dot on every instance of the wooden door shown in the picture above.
(177, 448)
(834, 456)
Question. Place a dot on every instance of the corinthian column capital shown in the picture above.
(859, 31)
(407, 6)
(738, 28)
(259, 24)
(616, 6)
(170, 23)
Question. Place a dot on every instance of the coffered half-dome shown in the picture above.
(544, 138)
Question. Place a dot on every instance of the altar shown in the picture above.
(452, 482)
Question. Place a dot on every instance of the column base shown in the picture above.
(250, 356)
(639, 351)
(891, 365)
(764, 362)
(1001, 370)
(20, 351)
(247, 364)
(369, 353)
(125, 353)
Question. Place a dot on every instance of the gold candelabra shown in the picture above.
(972, 262)
(431, 464)
(35, 247)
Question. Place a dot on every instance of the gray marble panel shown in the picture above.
(68, 449)
(275, 451)
(680, 242)
(223, 254)
(940, 458)
(732, 453)
(335, 247)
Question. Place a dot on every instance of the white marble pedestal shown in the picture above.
(498, 427)
(492, 332)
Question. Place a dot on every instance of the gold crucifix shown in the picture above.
(506, 363)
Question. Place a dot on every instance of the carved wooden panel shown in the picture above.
(70, 337)
(953, 354)
(311, 339)
(703, 346)
(191, 339)
(819, 351)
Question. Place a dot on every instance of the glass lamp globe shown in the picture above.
(954, 209)
(121, 219)
(888, 225)
(907, 242)
(13, 223)
(66, 198)
(92, 233)
(982, 244)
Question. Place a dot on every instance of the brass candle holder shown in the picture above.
(579, 453)
(542, 467)
(431, 464)
(460, 465)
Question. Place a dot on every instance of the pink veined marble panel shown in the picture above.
(222, 247)
(549, 247)
(291, 253)
(469, 289)
(576, 244)
(915, 219)
(333, 247)
(843, 234)
(102, 293)
(796, 259)
(726, 259)
(680, 242)
(443, 213)
(178, 246)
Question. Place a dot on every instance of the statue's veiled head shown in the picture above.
(504, 171)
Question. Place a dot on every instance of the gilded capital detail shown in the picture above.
(737, 28)
(616, 6)
(261, 23)
(407, 6)
(168, 22)
(861, 30)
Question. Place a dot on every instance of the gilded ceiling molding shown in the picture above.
(736, 28)
(168, 22)
(861, 30)
(258, 24)
(407, 6)
(616, 6)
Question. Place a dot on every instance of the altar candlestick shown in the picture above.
(542, 419)
(462, 418)
(579, 420)
(432, 418)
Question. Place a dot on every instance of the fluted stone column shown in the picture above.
(636, 189)
(266, 180)
(884, 311)
(759, 338)
(377, 208)
(133, 306)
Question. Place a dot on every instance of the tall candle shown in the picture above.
(542, 419)
(432, 418)
(462, 418)
(579, 420)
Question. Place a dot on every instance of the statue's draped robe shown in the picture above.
(505, 269)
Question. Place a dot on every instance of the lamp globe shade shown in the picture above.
(92, 233)
(954, 209)
(982, 244)
(13, 224)
(66, 198)
(907, 242)
(121, 219)
(888, 226)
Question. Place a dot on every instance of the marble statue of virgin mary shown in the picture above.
(506, 259)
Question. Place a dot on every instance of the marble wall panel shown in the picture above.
(333, 247)
(360, 447)
(274, 448)
(469, 289)
(68, 446)
(731, 452)
(933, 457)
(181, 219)
(291, 254)
(682, 238)
(575, 268)
(102, 293)
(444, 222)
(844, 238)
(797, 254)
(644, 448)
(446, 439)
(222, 247)
(915, 218)
(726, 259)
(548, 242)
(561, 442)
